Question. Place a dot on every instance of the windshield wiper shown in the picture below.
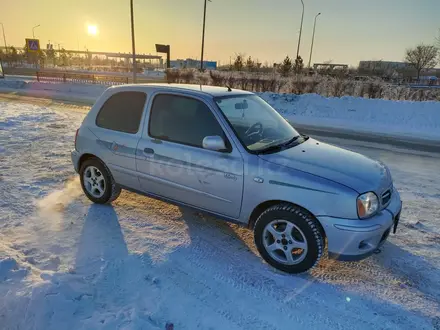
(278, 147)
(291, 140)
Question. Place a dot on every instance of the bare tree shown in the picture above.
(298, 66)
(239, 62)
(50, 55)
(286, 67)
(41, 58)
(250, 64)
(12, 55)
(422, 57)
(437, 44)
(63, 57)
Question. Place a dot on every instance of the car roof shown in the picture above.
(214, 91)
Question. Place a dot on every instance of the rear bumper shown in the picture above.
(75, 160)
(351, 240)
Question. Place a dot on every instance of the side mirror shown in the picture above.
(215, 143)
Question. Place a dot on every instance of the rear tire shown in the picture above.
(288, 238)
(97, 182)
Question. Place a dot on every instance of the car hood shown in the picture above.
(336, 164)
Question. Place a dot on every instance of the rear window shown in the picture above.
(122, 112)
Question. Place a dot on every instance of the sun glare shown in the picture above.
(92, 30)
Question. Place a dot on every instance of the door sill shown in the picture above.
(177, 203)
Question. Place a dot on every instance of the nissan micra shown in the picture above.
(230, 154)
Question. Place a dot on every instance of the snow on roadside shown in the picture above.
(140, 263)
(84, 93)
(93, 90)
(374, 116)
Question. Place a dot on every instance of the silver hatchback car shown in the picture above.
(228, 153)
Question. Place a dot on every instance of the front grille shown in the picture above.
(386, 197)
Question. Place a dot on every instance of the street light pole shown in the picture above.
(203, 37)
(300, 29)
(4, 38)
(313, 39)
(133, 43)
(33, 32)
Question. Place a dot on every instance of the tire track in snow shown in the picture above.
(211, 240)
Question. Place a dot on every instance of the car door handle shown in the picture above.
(148, 151)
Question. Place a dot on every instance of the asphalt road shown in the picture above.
(410, 143)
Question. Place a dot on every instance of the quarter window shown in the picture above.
(183, 120)
(122, 112)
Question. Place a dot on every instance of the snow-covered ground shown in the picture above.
(394, 119)
(140, 263)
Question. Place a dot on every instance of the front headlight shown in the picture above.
(367, 205)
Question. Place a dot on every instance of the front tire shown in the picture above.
(288, 238)
(97, 182)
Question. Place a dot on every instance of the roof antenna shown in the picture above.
(229, 88)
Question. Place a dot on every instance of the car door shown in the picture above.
(172, 163)
(118, 130)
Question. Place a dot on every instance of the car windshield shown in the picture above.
(256, 123)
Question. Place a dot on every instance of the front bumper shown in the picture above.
(75, 160)
(351, 240)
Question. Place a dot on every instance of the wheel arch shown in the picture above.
(85, 157)
(259, 209)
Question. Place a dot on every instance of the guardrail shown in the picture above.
(83, 78)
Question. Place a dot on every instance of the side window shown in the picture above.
(122, 112)
(183, 120)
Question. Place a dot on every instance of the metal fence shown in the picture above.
(83, 78)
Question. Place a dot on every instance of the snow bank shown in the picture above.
(394, 118)
(85, 93)
(17, 84)
(81, 89)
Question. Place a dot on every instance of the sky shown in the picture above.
(346, 32)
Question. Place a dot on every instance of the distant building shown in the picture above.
(189, 63)
(331, 66)
(382, 65)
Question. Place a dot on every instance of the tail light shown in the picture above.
(76, 137)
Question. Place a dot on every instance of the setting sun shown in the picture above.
(92, 30)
